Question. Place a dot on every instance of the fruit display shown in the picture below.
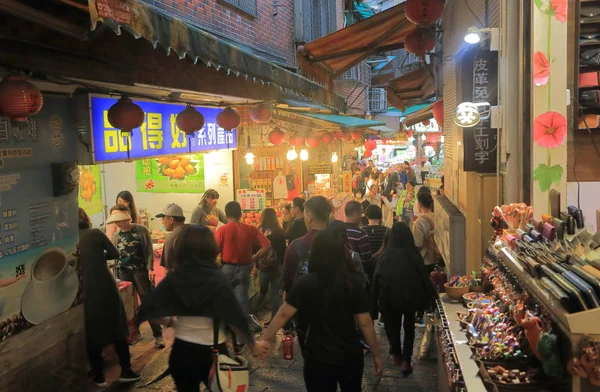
(177, 167)
(251, 218)
(149, 184)
(87, 184)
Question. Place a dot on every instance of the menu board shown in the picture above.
(158, 135)
(171, 174)
(38, 232)
(251, 200)
(320, 169)
(90, 189)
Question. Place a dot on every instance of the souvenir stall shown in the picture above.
(530, 316)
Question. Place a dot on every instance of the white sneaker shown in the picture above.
(159, 342)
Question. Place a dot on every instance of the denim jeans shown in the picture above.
(270, 280)
(239, 277)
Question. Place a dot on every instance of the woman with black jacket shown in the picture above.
(400, 288)
(190, 298)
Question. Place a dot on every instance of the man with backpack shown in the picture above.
(424, 231)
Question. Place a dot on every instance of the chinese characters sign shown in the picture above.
(158, 135)
(251, 200)
(90, 194)
(172, 174)
(479, 74)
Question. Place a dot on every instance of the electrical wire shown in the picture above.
(474, 14)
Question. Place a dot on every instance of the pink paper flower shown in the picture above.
(561, 9)
(541, 69)
(550, 129)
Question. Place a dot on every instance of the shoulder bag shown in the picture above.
(227, 374)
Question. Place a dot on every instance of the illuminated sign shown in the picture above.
(158, 135)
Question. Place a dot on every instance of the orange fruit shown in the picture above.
(93, 189)
(174, 164)
(179, 172)
(164, 160)
(169, 172)
(184, 161)
(189, 169)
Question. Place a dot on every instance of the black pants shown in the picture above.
(424, 175)
(321, 377)
(394, 321)
(97, 362)
(189, 364)
(141, 282)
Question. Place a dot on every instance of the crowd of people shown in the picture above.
(325, 280)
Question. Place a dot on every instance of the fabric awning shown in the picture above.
(145, 21)
(344, 121)
(423, 114)
(414, 85)
(297, 104)
(330, 56)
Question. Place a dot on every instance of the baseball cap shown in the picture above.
(171, 210)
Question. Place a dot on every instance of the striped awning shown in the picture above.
(412, 86)
(330, 56)
(142, 20)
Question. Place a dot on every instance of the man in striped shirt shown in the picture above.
(357, 237)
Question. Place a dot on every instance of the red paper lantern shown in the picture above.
(438, 112)
(426, 123)
(276, 136)
(296, 141)
(190, 120)
(370, 145)
(423, 12)
(19, 98)
(346, 136)
(356, 135)
(368, 154)
(125, 115)
(338, 135)
(312, 141)
(420, 42)
(261, 114)
(228, 119)
(326, 138)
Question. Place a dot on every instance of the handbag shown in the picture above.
(227, 374)
(589, 13)
(588, 79)
(590, 99)
(577, 214)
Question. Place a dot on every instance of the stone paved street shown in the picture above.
(277, 374)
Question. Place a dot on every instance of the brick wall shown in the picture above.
(271, 37)
(356, 97)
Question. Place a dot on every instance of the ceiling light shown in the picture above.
(334, 157)
(304, 154)
(472, 38)
(249, 158)
(292, 154)
(423, 137)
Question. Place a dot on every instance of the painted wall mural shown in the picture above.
(549, 102)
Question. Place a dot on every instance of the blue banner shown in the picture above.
(159, 135)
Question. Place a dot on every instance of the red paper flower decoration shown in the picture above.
(541, 69)
(550, 129)
(561, 9)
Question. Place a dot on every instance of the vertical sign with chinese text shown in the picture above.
(479, 74)
(158, 135)
(172, 174)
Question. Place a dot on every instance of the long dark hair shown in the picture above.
(84, 220)
(269, 221)
(384, 244)
(196, 244)
(209, 194)
(328, 260)
(128, 197)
